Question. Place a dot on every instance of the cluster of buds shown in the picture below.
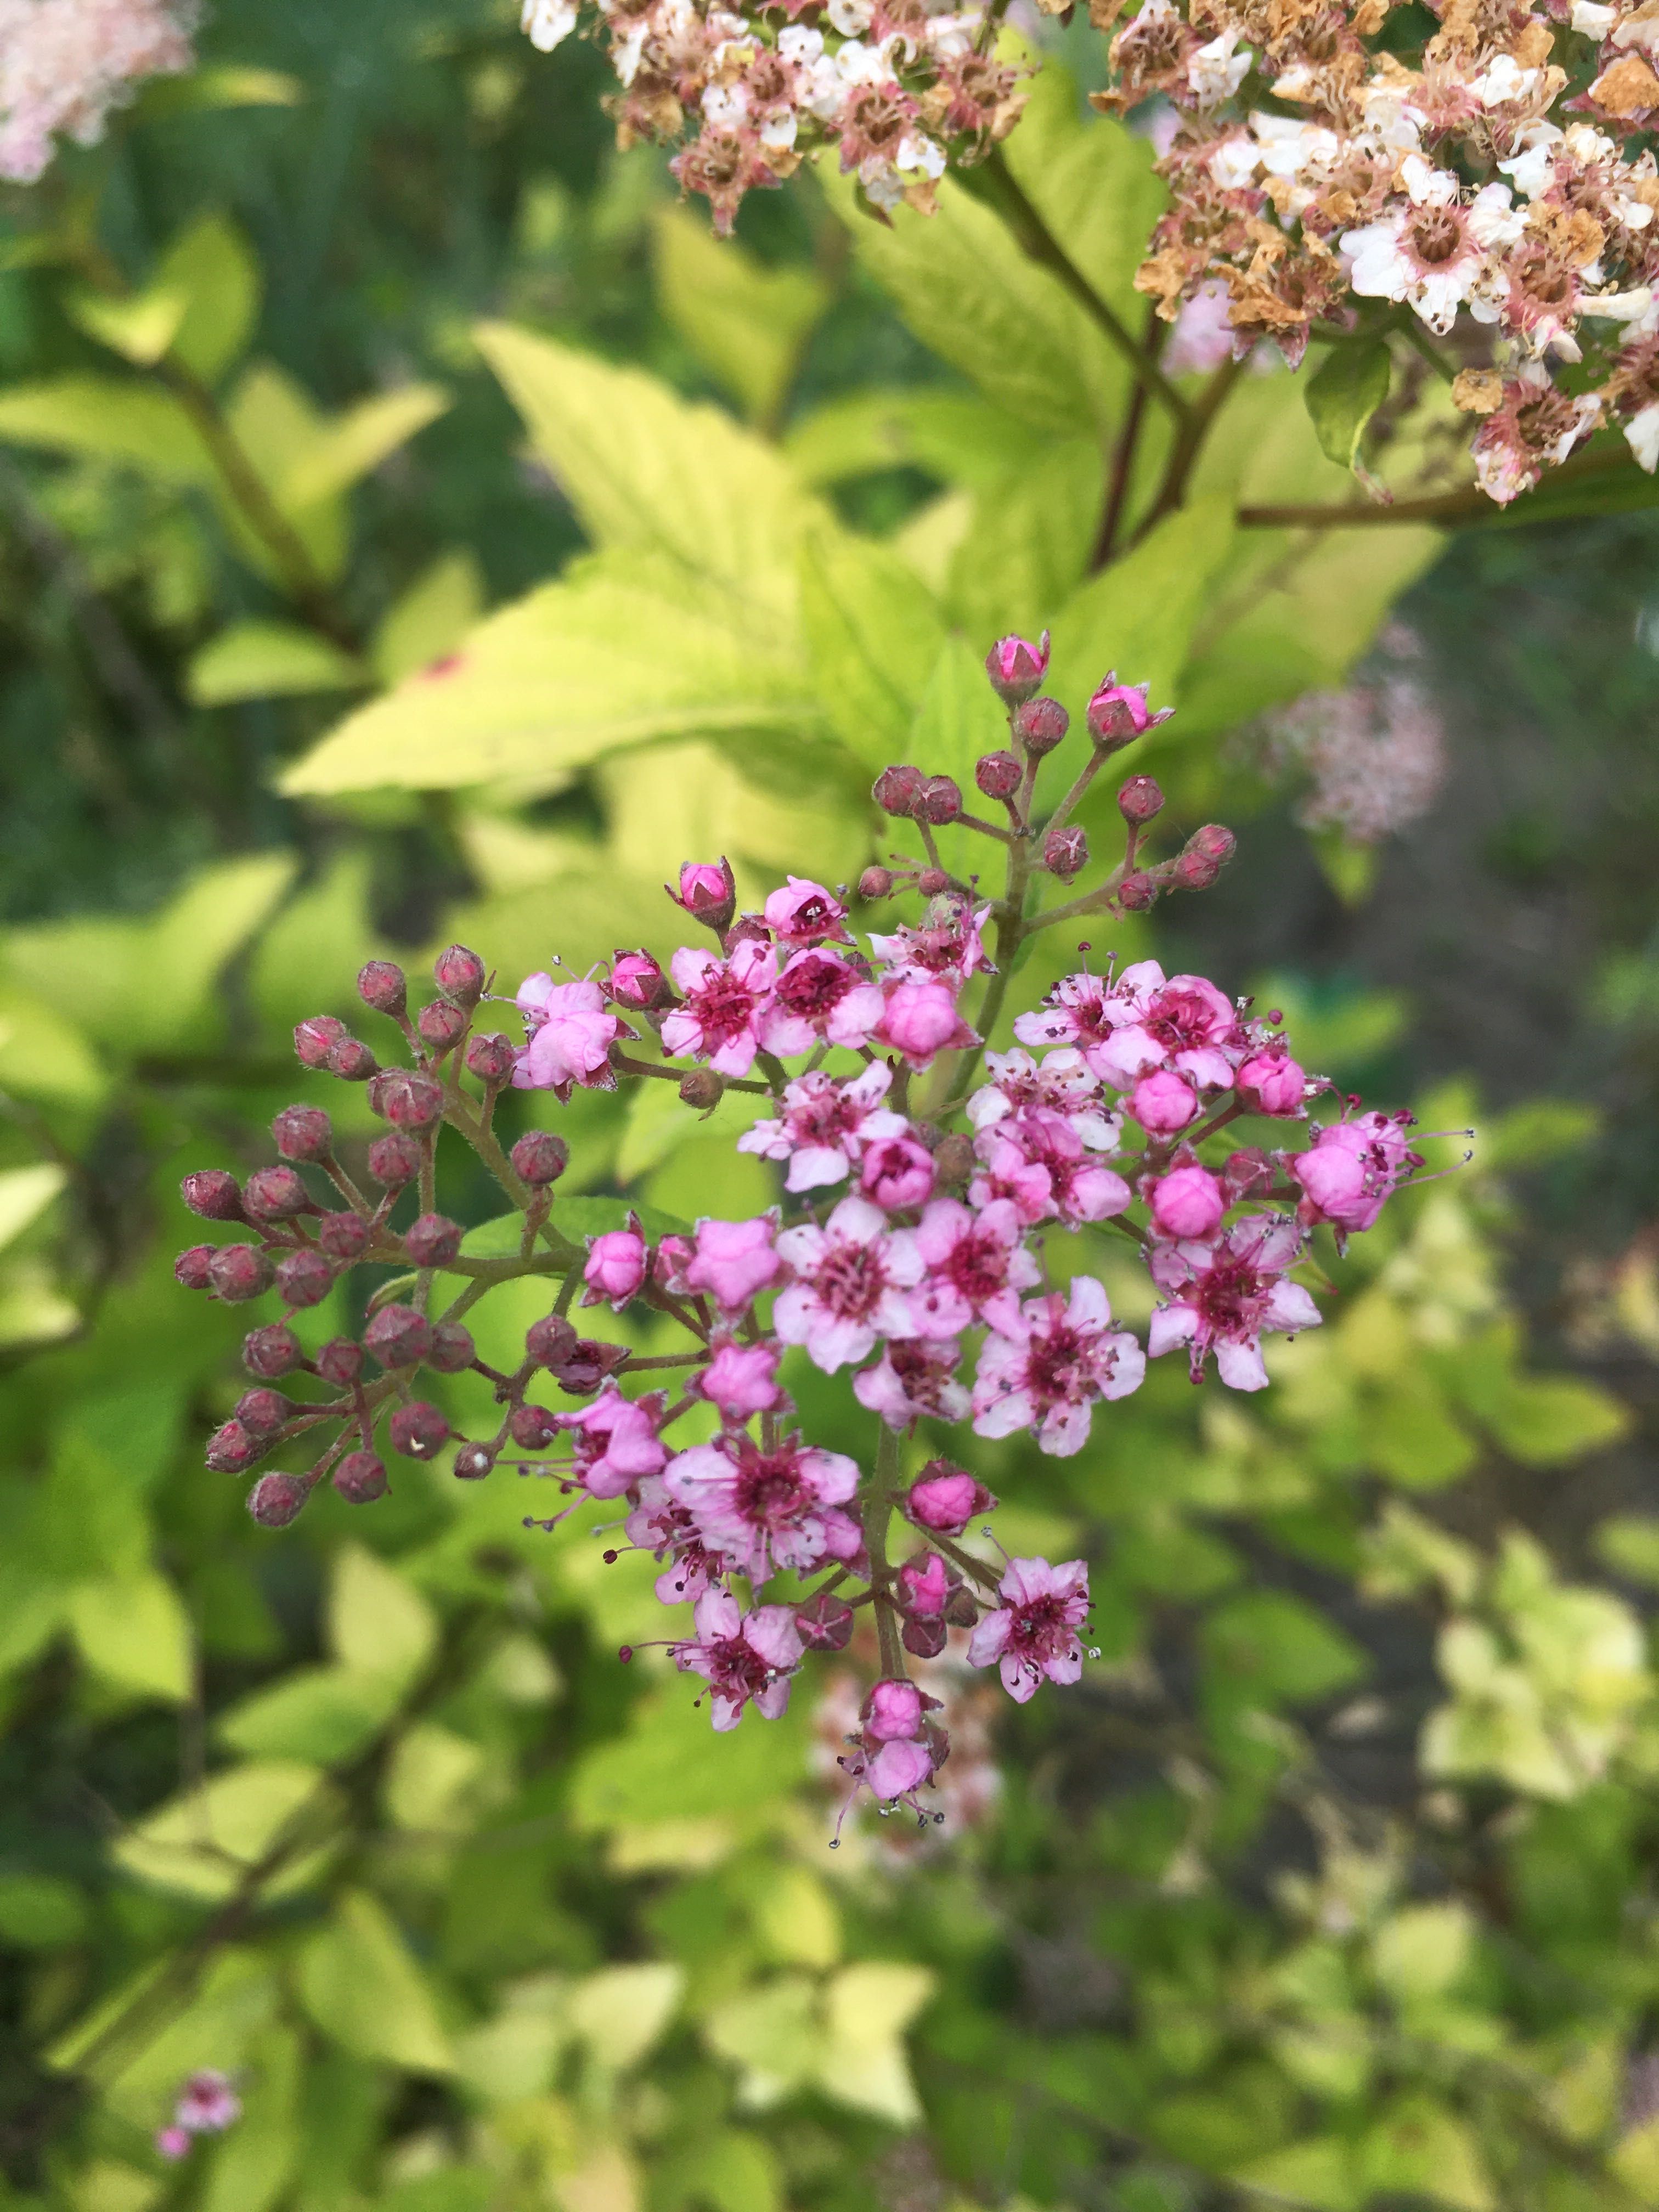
(918, 1182)
(1497, 183)
(897, 88)
(207, 2106)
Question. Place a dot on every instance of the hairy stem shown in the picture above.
(877, 1512)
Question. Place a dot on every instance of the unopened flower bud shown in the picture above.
(345, 1235)
(960, 1611)
(932, 881)
(433, 1241)
(271, 1351)
(1203, 857)
(453, 1349)
(1118, 714)
(895, 788)
(459, 975)
(637, 980)
(398, 1336)
(214, 1195)
(1065, 852)
(876, 883)
(953, 1160)
(351, 1060)
(231, 1450)
(418, 1431)
(305, 1278)
(939, 801)
(825, 1622)
(340, 1362)
(998, 774)
(533, 1428)
(361, 1478)
(491, 1058)
(473, 1463)
(262, 1413)
(1040, 725)
(193, 1269)
(315, 1039)
(539, 1157)
(303, 1133)
(550, 1342)
(442, 1025)
(707, 893)
(277, 1499)
(923, 1636)
(1136, 891)
(747, 929)
(1017, 668)
(395, 1160)
(276, 1194)
(700, 1087)
(381, 984)
(1139, 800)
(410, 1102)
(945, 1499)
(586, 1366)
(241, 1271)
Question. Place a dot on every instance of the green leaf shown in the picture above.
(254, 2161)
(41, 1912)
(1318, 2171)
(747, 324)
(1422, 1950)
(379, 1627)
(1267, 1647)
(1629, 1545)
(268, 661)
(1420, 2149)
(140, 328)
(203, 1843)
(41, 1055)
(953, 435)
(107, 418)
(874, 635)
(135, 1632)
(24, 1195)
(1342, 395)
(1028, 545)
(1410, 1436)
(219, 84)
(323, 1714)
(358, 1982)
(428, 622)
(213, 267)
(278, 425)
(1138, 614)
(357, 442)
(732, 2170)
(862, 2064)
(670, 1766)
(621, 2011)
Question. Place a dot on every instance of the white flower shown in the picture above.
(1618, 307)
(1593, 19)
(800, 48)
(724, 106)
(1290, 149)
(1642, 436)
(916, 151)
(1215, 71)
(778, 132)
(1532, 171)
(1234, 163)
(1504, 80)
(851, 17)
(547, 23)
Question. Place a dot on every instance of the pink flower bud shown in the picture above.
(1188, 1202)
(825, 1622)
(303, 1133)
(432, 1240)
(214, 1195)
(1140, 799)
(1040, 725)
(998, 774)
(381, 984)
(340, 1362)
(305, 1278)
(939, 801)
(803, 913)
(895, 789)
(473, 1463)
(315, 1039)
(539, 1158)
(1017, 668)
(921, 1020)
(442, 1025)
(586, 1366)
(231, 1450)
(459, 975)
(892, 1712)
(345, 1235)
(262, 1413)
(398, 1336)
(359, 1478)
(453, 1349)
(1136, 891)
(614, 1267)
(876, 883)
(707, 893)
(418, 1431)
(271, 1351)
(351, 1060)
(1118, 714)
(1271, 1083)
(172, 2143)
(923, 1584)
(897, 1172)
(1247, 1171)
(277, 1499)
(241, 1271)
(637, 980)
(1203, 857)
(1065, 852)
(945, 1499)
(413, 1103)
(931, 881)
(550, 1342)
(741, 1379)
(533, 1428)
(395, 1160)
(276, 1194)
(491, 1058)
(1162, 1103)
(192, 1269)
(923, 1635)
(897, 1769)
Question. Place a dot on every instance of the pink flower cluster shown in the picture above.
(207, 2106)
(65, 63)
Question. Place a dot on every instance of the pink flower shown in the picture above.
(744, 1657)
(571, 1031)
(208, 2105)
(1017, 668)
(897, 1172)
(707, 893)
(725, 1001)
(851, 1277)
(943, 1500)
(767, 1509)
(741, 1379)
(914, 1377)
(892, 1712)
(1223, 1296)
(1270, 1082)
(977, 1264)
(1118, 711)
(898, 1770)
(1189, 1201)
(734, 1261)
(825, 1125)
(1033, 1633)
(1078, 1189)
(1062, 1085)
(1348, 1174)
(1185, 1024)
(921, 1021)
(173, 2142)
(894, 1756)
(803, 913)
(637, 980)
(659, 1524)
(1045, 1370)
(820, 999)
(948, 947)
(615, 1268)
(1084, 1009)
(616, 1440)
(1163, 1103)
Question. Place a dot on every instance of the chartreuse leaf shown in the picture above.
(24, 1195)
(219, 84)
(358, 1982)
(428, 622)
(731, 2169)
(321, 1713)
(134, 1632)
(1418, 2148)
(874, 635)
(746, 323)
(107, 418)
(1343, 394)
(621, 2011)
(1138, 614)
(1629, 1545)
(378, 1623)
(203, 1843)
(1270, 1648)
(867, 2009)
(1319, 2171)
(213, 267)
(268, 661)
(42, 1054)
(140, 327)
(954, 435)
(254, 2161)
(1028, 547)
(357, 442)
(669, 1766)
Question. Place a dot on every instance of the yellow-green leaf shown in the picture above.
(135, 1632)
(359, 440)
(268, 661)
(360, 1984)
(746, 323)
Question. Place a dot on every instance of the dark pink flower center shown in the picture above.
(1231, 1296)
(977, 1266)
(723, 1006)
(1041, 1627)
(850, 1279)
(1060, 1363)
(769, 1491)
(1181, 1019)
(813, 987)
(737, 1670)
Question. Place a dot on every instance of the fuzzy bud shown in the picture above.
(345, 1236)
(539, 1157)
(361, 1478)
(459, 975)
(340, 1362)
(953, 1160)
(1065, 852)
(533, 1428)
(939, 801)
(1138, 891)
(409, 1101)
(351, 1060)
(453, 1349)
(433, 1241)
(1139, 801)
(945, 1499)
(231, 1450)
(826, 1622)
(491, 1058)
(418, 1431)
(272, 1352)
(241, 1271)
(473, 1463)
(1203, 857)
(1040, 725)
(193, 1269)
(707, 893)
(398, 1336)
(277, 1499)
(550, 1342)
(876, 883)
(1118, 714)
(395, 1160)
(303, 1133)
(586, 1366)
(637, 980)
(701, 1088)
(315, 1039)
(262, 1413)
(1017, 668)
(932, 881)
(923, 1636)
(276, 1194)
(382, 985)
(998, 774)
(214, 1195)
(895, 789)
(305, 1278)
(442, 1025)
